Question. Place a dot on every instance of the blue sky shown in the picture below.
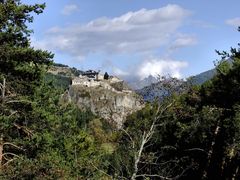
(136, 38)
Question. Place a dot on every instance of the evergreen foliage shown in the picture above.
(40, 138)
(106, 76)
(196, 137)
(192, 134)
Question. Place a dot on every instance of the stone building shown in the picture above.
(92, 78)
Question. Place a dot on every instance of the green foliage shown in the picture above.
(106, 76)
(196, 137)
(193, 135)
(19, 63)
(41, 137)
(58, 81)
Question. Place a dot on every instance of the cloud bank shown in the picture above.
(133, 32)
(152, 67)
(139, 32)
(162, 67)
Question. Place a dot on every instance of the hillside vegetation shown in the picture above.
(192, 134)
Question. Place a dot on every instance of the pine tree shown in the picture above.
(20, 64)
(21, 71)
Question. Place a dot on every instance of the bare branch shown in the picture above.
(25, 129)
(146, 137)
(158, 164)
(11, 144)
(12, 154)
(8, 162)
(6, 158)
(130, 137)
(19, 101)
(165, 178)
(154, 175)
(3, 88)
(197, 149)
(13, 113)
(100, 170)
(138, 156)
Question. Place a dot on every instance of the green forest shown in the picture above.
(192, 134)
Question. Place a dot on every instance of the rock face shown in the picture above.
(111, 101)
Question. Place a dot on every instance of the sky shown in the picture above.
(133, 39)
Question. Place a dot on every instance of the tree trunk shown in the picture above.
(137, 157)
(214, 169)
(1, 153)
(4, 88)
(235, 168)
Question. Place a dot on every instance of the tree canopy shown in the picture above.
(193, 133)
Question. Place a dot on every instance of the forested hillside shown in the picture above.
(192, 134)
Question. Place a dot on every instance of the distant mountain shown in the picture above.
(148, 88)
(207, 75)
(136, 85)
(202, 77)
(151, 92)
(150, 80)
(156, 91)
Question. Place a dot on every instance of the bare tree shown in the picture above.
(168, 86)
(145, 138)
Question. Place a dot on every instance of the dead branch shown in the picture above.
(11, 144)
(146, 137)
(24, 128)
(166, 178)
(196, 149)
(130, 137)
(13, 113)
(3, 88)
(100, 170)
(12, 154)
(19, 101)
(154, 175)
(8, 162)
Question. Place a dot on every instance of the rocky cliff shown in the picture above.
(110, 101)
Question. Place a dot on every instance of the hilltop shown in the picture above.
(106, 96)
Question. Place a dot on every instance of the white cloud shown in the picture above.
(233, 22)
(184, 41)
(69, 9)
(162, 67)
(134, 32)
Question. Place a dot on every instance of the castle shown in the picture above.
(92, 78)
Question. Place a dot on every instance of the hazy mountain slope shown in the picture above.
(155, 91)
(202, 77)
(136, 85)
